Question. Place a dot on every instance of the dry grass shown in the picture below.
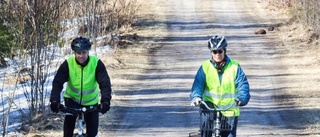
(301, 44)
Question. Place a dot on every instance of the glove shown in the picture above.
(104, 107)
(195, 101)
(54, 105)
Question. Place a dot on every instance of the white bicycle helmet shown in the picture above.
(217, 42)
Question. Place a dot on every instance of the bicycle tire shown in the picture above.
(76, 135)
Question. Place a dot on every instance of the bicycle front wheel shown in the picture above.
(76, 135)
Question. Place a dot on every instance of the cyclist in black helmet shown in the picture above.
(88, 84)
(220, 81)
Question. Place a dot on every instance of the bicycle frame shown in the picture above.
(219, 123)
(79, 113)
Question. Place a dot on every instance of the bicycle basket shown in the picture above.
(210, 123)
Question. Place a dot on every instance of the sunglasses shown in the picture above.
(217, 51)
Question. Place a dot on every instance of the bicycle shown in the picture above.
(217, 121)
(79, 113)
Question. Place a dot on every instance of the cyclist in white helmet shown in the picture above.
(220, 81)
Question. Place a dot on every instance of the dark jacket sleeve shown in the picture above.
(104, 82)
(60, 78)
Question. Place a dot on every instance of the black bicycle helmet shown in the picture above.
(217, 42)
(80, 44)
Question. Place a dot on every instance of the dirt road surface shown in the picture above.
(152, 80)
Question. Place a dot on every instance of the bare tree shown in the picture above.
(305, 11)
(36, 25)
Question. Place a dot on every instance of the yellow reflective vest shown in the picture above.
(82, 86)
(221, 93)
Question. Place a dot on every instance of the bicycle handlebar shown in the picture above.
(218, 109)
(77, 111)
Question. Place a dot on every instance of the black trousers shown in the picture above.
(91, 119)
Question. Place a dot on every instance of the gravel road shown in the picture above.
(155, 101)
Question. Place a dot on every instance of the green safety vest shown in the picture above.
(82, 86)
(221, 93)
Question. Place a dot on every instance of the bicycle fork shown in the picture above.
(80, 124)
(217, 126)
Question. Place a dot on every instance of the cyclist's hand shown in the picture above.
(239, 102)
(195, 101)
(54, 105)
(105, 106)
